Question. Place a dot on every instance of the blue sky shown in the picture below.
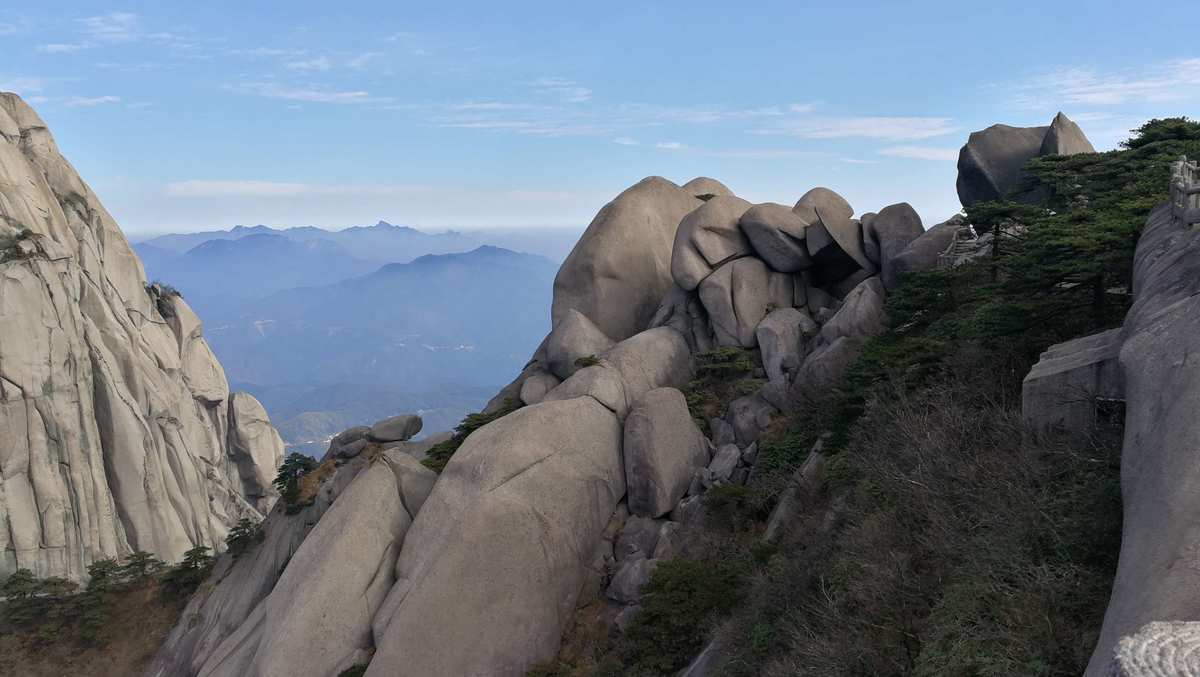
(186, 116)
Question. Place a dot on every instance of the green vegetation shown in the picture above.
(722, 374)
(439, 454)
(288, 480)
(244, 535)
(587, 361)
(183, 579)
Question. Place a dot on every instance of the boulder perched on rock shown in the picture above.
(662, 448)
(620, 268)
(888, 233)
(823, 199)
(396, 428)
(777, 235)
(708, 237)
(601, 382)
(835, 244)
(704, 188)
(494, 563)
(991, 164)
(739, 294)
(655, 358)
(573, 336)
(534, 389)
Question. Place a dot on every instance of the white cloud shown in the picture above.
(112, 27)
(310, 94)
(856, 161)
(877, 127)
(22, 85)
(361, 60)
(64, 47)
(230, 189)
(625, 141)
(562, 88)
(89, 102)
(1177, 80)
(266, 52)
(320, 64)
(802, 107)
(669, 145)
(921, 153)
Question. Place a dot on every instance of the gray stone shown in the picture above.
(1064, 388)
(722, 432)
(689, 512)
(349, 435)
(601, 382)
(724, 462)
(655, 358)
(889, 233)
(750, 453)
(1065, 138)
(823, 199)
(619, 270)
(804, 486)
(670, 541)
(777, 235)
(861, 315)
(507, 534)
(627, 583)
(639, 535)
(396, 428)
(351, 450)
(1158, 649)
(835, 244)
(750, 415)
(738, 295)
(662, 448)
(708, 237)
(823, 368)
(923, 252)
(779, 336)
(535, 388)
(682, 311)
(991, 164)
(704, 186)
(573, 337)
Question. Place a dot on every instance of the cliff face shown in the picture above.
(117, 429)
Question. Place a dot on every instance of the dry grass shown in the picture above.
(138, 620)
(310, 483)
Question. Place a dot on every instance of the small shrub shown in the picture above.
(243, 536)
(439, 454)
(587, 361)
(729, 507)
(183, 579)
(679, 604)
(287, 480)
(706, 196)
(724, 362)
(140, 565)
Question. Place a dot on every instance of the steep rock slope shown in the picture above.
(117, 430)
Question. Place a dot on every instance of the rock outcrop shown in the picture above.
(991, 164)
(117, 429)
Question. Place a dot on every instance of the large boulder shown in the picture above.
(535, 388)
(256, 446)
(396, 428)
(780, 335)
(823, 368)
(777, 235)
(662, 448)
(706, 188)
(1060, 392)
(887, 234)
(823, 199)
(655, 358)
(923, 252)
(574, 336)
(494, 563)
(601, 382)
(739, 294)
(1065, 138)
(835, 244)
(682, 311)
(708, 237)
(317, 619)
(991, 164)
(620, 268)
(861, 315)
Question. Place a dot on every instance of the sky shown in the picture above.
(193, 116)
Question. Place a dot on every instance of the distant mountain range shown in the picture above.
(327, 337)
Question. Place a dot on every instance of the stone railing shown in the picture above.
(1185, 191)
